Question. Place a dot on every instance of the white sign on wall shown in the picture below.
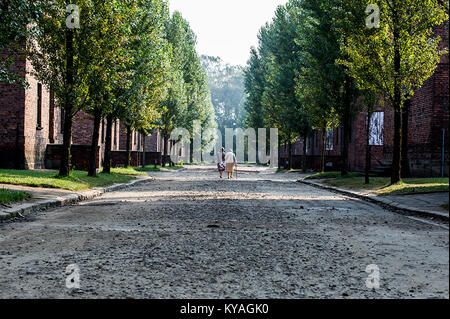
(376, 137)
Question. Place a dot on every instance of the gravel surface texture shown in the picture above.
(188, 234)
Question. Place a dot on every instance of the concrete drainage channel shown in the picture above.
(22, 210)
(408, 212)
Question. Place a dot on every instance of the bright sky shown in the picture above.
(226, 28)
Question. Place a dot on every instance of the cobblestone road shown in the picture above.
(188, 234)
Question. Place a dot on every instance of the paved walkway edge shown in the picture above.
(385, 203)
(23, 209)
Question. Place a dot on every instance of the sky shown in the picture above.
(226, 28)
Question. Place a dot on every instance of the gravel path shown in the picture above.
(190, 235)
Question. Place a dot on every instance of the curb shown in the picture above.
(21, 210)
(384, 203)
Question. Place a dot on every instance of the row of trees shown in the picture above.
(318, 63)
(189, 97)
(226, 83)
(117, 59)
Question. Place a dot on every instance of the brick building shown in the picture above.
(425, 128)
(31, 129)
(29, 120)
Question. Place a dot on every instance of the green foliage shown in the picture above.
(406, 25)
(254, 83)
(188, 98)
(226, 83)
(316, 57)
(15, 16)
(280, 53)
(143, 85)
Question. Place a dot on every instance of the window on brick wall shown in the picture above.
(39, 106)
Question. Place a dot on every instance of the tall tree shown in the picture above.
(320, 80)
(189, 98)
(59, 57)
(226, 83)
(396, 58)
(281, 59)
(254, 82)
(147, 72)
(109, 23)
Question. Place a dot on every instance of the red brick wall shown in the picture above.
(119, 158)
(153, 142)
(152, 157)
(12, 103)
(82, 128)
(80, 156)
(136, 139)
(36, 138)
(22, 143)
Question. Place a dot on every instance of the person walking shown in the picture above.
(221, 161)
(230, 162)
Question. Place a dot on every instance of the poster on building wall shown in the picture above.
(330, 140)
(376, 129)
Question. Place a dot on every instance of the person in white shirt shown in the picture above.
(230, 162)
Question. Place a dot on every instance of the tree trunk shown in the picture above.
(171, 149)
(64, 169)
(128, 159)
(279, 153)
(94, 145)
(191, 148)
(324, 140)
(405, 160)
(347, 127)
(143, 150)
(305, 137)
(165, 152)
(286, 153)
(108, 145)
(396, 156)
(257, 147)
(290, 155)
(397, 105)
(368, 149)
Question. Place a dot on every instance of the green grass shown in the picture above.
(445, 206)
(9, 196)
(78, 180)
(333, 174)
(150, 168)
(134, 171)
(381, 185)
